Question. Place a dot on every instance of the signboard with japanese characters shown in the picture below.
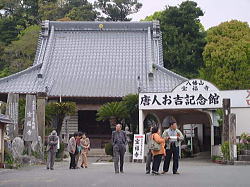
(138, 147)
(12, 112)
(196, 93)
(30, 132)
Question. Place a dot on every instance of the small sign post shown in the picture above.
(138, 146)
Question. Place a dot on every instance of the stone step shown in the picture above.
(97, 152)
(241, 163)
(244, 157)
(245, 152)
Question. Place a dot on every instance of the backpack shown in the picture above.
(154, 146)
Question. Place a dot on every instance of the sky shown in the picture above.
(216, 11)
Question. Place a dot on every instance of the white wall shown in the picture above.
(242, 120)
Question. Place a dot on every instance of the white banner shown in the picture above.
(138, 147)
(197, 94)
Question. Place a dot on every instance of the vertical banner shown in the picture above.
(138, 147)
(30, 132)
(12, 112)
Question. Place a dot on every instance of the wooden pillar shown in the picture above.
(226, 112)
(1, 144)
(41, 99)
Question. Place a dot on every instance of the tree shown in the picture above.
(60, 111)
(83, 13)
(20, 54)
(183, 38)
(114, 112)
(131, 103)
(118, 10)
(227, 55)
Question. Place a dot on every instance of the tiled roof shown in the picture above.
(95, 59)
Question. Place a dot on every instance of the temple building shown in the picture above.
(92, 63)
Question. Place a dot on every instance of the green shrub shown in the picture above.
(8, 158)
(109, 149)
(60, 151)
(225, 150)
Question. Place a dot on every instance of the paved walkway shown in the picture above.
(194, 173)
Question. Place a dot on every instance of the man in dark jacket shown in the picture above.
(52, 149)
(119, 141)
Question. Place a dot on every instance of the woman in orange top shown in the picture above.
(157, 154)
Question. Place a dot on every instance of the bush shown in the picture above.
(109, 149)
(225, 150)
(60, 151)
(8, 158)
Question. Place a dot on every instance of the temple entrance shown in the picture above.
(98, 131)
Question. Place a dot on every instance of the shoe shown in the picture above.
(147, 172)
(163, 172)
(176, 173)
(155, 173)
(117, 172)
(86, 166)
(121, 171)
(82, 166)
(47, 167)
(51, 168)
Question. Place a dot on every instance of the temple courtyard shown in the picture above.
(194, 172)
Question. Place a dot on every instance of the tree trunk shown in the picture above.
(59, 124)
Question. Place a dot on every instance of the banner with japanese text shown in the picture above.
(12, 112)
(138, 147)
(30, 132)
(197, 94)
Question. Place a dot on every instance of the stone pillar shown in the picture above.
(41, 99)
(232, 138)
(226, 112)
(141, 119)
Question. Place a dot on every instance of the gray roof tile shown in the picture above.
(80, 59)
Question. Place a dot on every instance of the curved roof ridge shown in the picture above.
(21, 72)
(161, 68)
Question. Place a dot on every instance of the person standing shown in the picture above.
(157, 154)
(85, 144)
(72, 150)
(173, 138)
(149, 153)
(119, 141)
(52, 149)
(78, 148)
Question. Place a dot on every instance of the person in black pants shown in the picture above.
(72, 151)
(173, 138)
(157, 153)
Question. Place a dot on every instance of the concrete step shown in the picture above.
(97, 152)
(245, 152)
(244, 157)
(241, 163)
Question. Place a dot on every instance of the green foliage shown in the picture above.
(183, 38)
(109, 149)
(115, 110)
(118, 10)
(60, 151)
(131, 103)
(83, 13)
(216, 158)
(227, 55)
(219, 112)
(20, 54)
(8, 158)
(60, 111)
(21, 110)
(225, 150)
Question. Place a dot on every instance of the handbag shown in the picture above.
(154, 145)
